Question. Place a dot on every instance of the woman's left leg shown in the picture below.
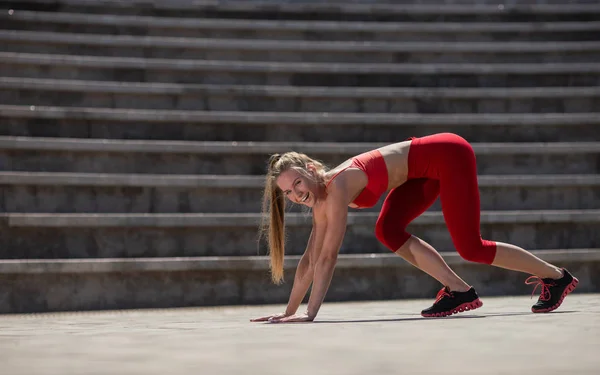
(459, 193)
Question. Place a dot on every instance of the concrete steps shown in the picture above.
(299, 51)
(241, 263)
(302, 10)
(100, 284)
(112, 123)
(130, 69)
(116, 24)
(134, 134)
(78, 155)
(47, 236)
(44, 192)
(66, 93)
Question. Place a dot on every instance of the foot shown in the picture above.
(448, 302)
(553, 292)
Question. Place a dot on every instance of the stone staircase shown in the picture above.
(134, 136)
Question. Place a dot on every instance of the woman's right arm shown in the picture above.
(302, 281)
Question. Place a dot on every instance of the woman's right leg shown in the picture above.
(402, 205)
(423, 256)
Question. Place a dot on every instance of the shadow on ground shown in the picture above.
(414, 318)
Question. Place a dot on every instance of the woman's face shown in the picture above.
(298, 188)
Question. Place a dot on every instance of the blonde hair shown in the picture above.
(273, 205)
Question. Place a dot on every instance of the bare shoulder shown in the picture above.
(337, 169)
(337, 199)
(343, 189)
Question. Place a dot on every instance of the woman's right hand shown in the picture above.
(266, 318)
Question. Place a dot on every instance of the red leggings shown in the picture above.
(441, 164)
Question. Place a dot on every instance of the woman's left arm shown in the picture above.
(337, 216)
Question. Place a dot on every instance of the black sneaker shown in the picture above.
(448, 302)
(553, 291)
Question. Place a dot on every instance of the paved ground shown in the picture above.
(502, 337)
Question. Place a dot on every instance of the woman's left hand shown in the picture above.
(296, 318)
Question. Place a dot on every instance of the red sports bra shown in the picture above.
(373, 165)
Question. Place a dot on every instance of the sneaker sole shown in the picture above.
(567, 290)
(461, 308)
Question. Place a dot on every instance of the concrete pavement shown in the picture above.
(388, 337)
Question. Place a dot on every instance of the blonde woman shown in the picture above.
(415, 172)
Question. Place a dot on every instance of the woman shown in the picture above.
(416, 171)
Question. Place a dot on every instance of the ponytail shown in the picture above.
(273, 207)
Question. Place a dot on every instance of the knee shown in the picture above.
(393, 237)
(481, 251)
(470, 255)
